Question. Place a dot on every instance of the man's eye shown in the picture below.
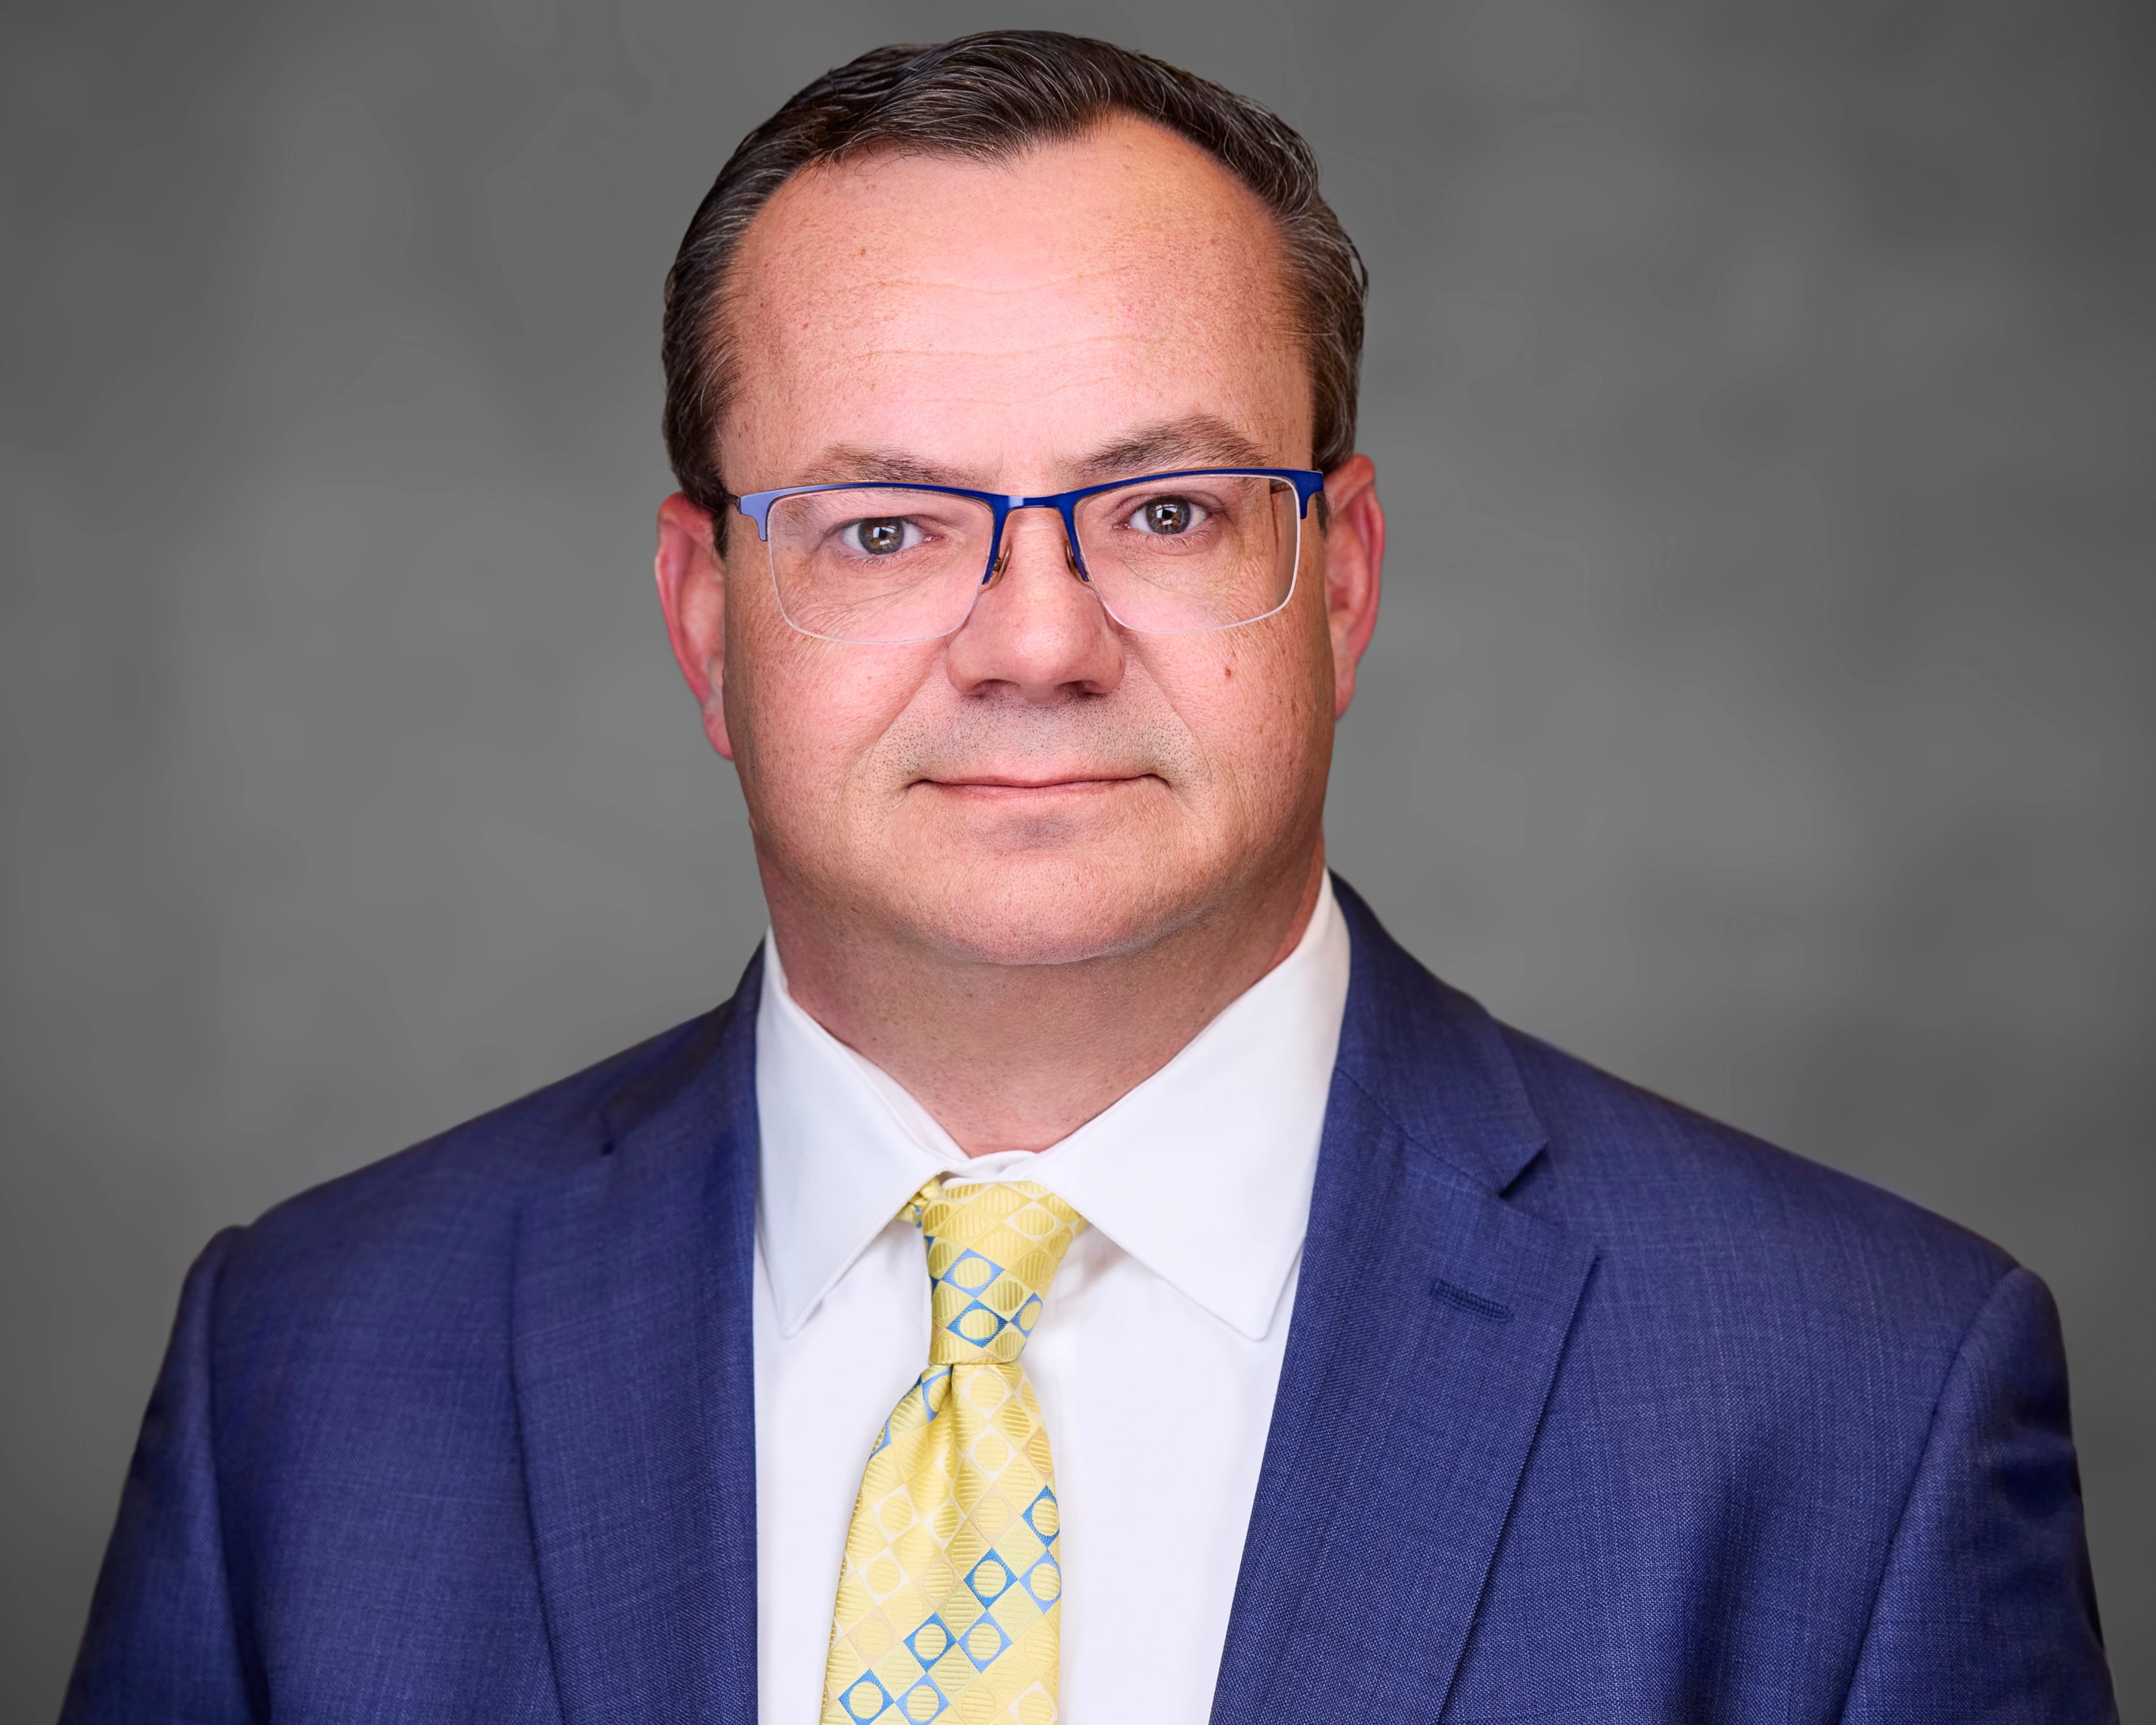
(882, 539)
(1167, 516)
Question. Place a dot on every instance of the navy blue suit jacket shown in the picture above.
(1592, 1410)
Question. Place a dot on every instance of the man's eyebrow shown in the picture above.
(843, 462)
(1197, 440)
(1200, 440)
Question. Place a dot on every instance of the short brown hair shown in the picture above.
(987, 97)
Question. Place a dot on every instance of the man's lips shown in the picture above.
(1017, 785)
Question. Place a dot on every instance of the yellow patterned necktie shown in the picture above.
(947, 1596)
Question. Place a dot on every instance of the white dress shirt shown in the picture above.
(1156, 1358)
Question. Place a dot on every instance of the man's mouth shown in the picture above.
(1032, 784)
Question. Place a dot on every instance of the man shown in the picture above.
(1087, 1271)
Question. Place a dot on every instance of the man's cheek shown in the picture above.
(837, 726)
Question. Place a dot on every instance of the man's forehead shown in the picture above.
(1131, 222)
(1063, 180)
(1123, 280)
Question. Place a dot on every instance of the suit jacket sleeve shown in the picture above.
(161, 1642)
(1987, 1611)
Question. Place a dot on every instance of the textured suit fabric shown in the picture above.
(1599, 1411)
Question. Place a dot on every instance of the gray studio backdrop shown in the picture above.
(1762, 707)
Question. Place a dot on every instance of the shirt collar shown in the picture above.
(1203, 1172)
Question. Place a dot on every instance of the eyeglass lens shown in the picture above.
(891, 564)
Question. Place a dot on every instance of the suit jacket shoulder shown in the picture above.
(455, 1198)
(1711, 1430)
(1716, 1217)
(367, 1475)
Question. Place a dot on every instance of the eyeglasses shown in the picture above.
(1169, 554)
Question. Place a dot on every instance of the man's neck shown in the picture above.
(1019, 1056)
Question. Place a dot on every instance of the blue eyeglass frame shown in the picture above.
(1306, 481)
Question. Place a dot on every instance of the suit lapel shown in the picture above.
(1429, 1319)
(634, 1359)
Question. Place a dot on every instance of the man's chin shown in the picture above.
(1064, 906)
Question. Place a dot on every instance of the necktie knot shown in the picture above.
(994, 1250)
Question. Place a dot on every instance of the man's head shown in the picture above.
(1021, 263)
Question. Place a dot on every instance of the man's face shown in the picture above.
(1041, 785)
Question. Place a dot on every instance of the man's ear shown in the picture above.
(692, 591)
(1354, 568)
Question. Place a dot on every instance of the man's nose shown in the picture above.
(1039, 630)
